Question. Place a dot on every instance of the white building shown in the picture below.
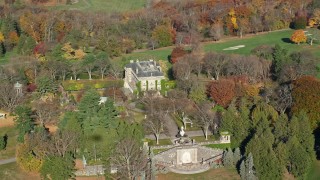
(148, 73)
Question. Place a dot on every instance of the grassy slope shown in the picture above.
(272, 38)
(10, 150)
(13, 172)
(314, 172)
(213, 174)
(105, 5)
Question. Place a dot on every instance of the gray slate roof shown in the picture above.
(145, 68)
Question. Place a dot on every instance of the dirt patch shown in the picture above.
(8, 121)
(52, 128)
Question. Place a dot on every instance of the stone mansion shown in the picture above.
(148, 73)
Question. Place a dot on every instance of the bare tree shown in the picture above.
(75, 69)
(46, 111)
(283, 98)
(182, 69)
(129, 158)
(215, 63)
(9, 98)
(204, 116)
(63, 142)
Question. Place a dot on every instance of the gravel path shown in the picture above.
(7, 161)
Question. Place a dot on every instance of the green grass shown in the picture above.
(12, 171)
(161, 142)
(10, 150)
(219, 146)
(157, 151)
(180, 123)
(108, 6)
(203, 138)
(212, 174)
(314, 172)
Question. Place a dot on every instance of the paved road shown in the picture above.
(7, 161)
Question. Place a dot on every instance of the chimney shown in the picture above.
(137, 71)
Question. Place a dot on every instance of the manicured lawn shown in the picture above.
(157, 151)
(314, 172)
(105, 5)
(213, 174)
(180, 123)
(203, 139)
(161, 142)
(13, 172)
(219, 146)
(10, 150)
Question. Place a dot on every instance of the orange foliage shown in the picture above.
(298, 37)
(176, 53)
(13, 37)
(222, 91)
(306, 98)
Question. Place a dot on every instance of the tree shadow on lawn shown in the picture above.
(287, 40)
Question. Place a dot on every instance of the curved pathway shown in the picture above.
(7, 161)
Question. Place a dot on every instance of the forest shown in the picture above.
(66, 60)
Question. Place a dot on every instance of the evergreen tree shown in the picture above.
(57, 168)
(23, 121)
(281, 151)
(280, 57)
(3, 142)
(228, 158)
(299, 160)
(281, 130)
(249, 167)
(2, 50)
(305, 135)
(236, 157)
(89, 105)
(243, 170)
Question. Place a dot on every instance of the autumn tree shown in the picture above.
(222, 91)
(298, 37)
(176, 53)
(306, 97)
(163, 35)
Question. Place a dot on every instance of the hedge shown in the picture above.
(97, 84)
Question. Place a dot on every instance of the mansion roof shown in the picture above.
(145, 68)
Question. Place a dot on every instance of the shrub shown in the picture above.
(300, 22)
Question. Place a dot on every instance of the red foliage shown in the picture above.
(222, 91)
(176, 53)
(31, 87)
(40, 48)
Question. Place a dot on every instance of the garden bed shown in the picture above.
(73, 85)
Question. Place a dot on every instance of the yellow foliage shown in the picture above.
(26, 160)
(234, 22)
(232, 12)
(298, 37)
(1, 37)
(79, 54)
(311, 22)
(67, 47)
(252, 90)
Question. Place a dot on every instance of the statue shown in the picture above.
(181, 132)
